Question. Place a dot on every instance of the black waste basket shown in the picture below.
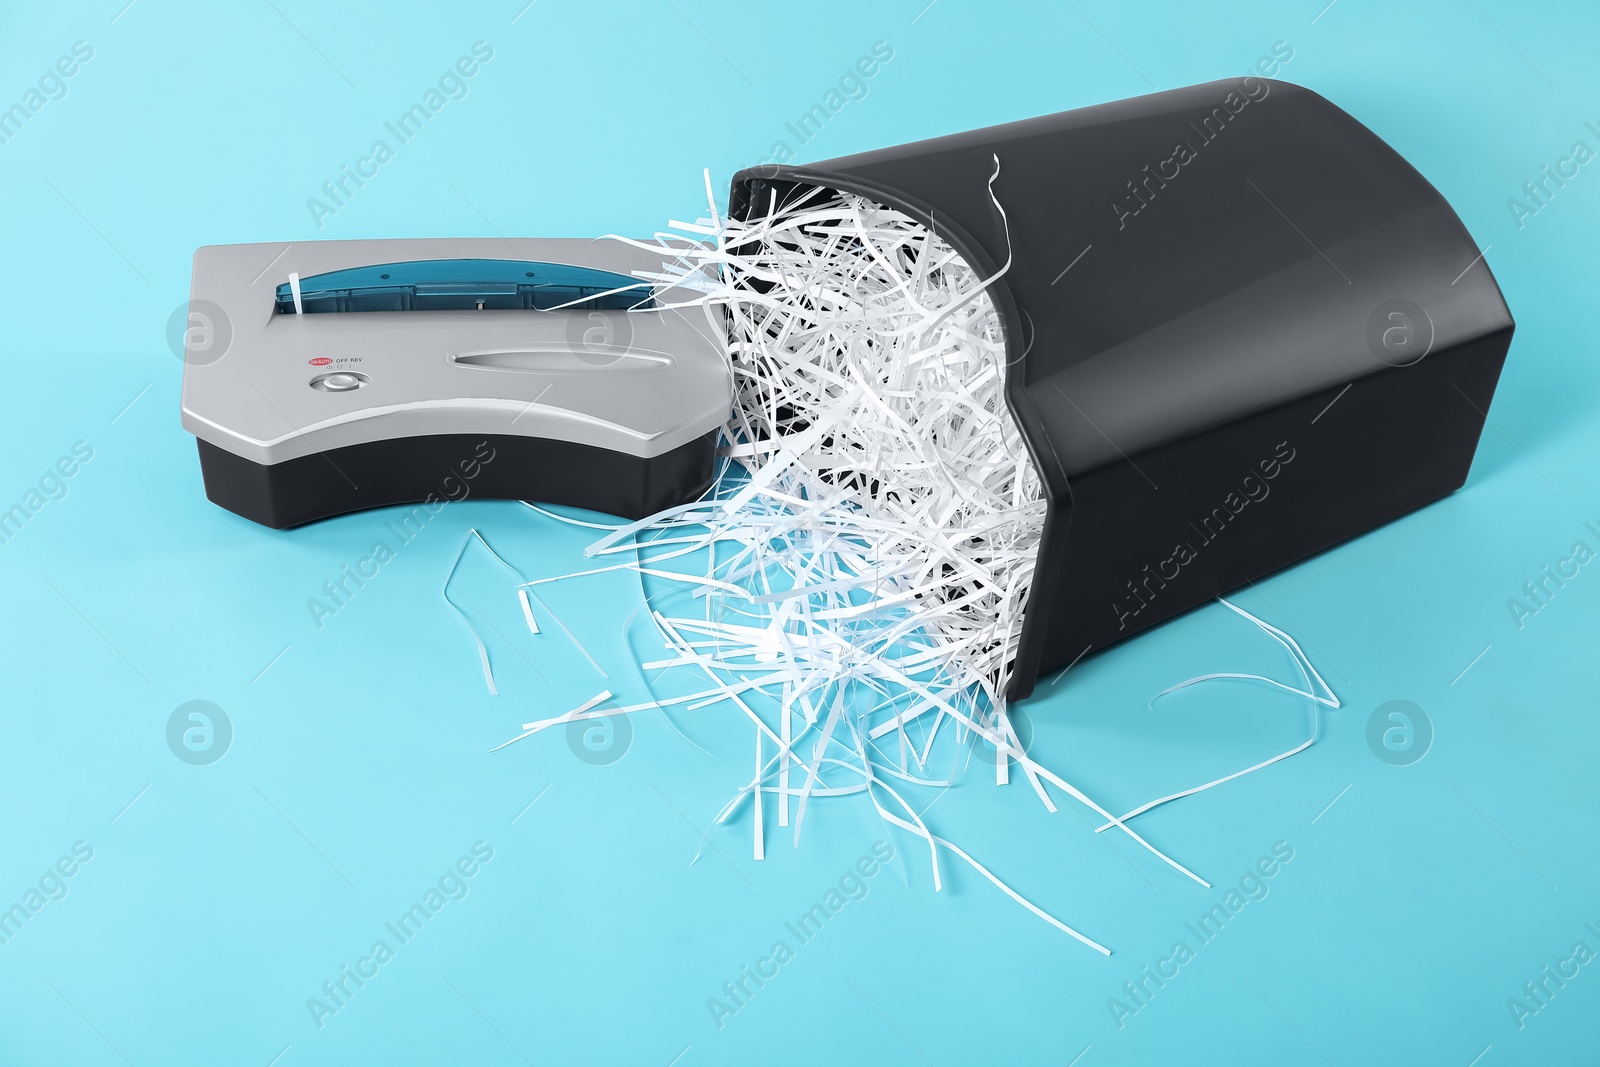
(1240, 329)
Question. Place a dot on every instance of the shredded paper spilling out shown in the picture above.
(854, 582)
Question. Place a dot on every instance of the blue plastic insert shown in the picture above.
(466, 285)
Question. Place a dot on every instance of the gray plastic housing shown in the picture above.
(637, 383)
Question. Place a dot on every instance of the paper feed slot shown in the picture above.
(465, 285)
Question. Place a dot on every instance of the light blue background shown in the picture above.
(223, 896)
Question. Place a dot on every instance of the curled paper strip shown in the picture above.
(483, 650)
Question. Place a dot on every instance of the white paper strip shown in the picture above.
(527, 611)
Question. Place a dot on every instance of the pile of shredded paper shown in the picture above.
(854, 581)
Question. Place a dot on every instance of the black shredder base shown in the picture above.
(437, 468)
(1240, 329)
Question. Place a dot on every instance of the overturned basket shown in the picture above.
(1239, 329)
